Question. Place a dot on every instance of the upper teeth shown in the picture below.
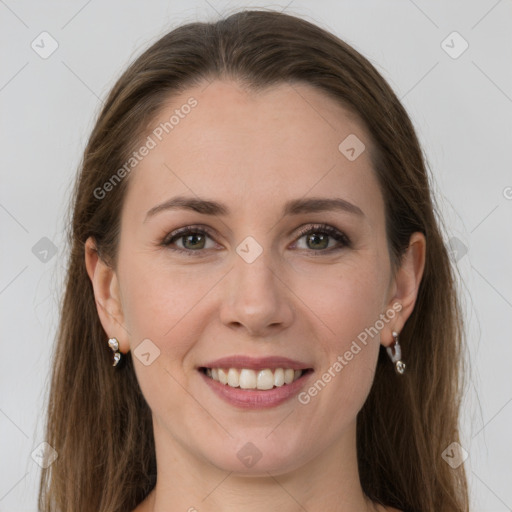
(254, 379)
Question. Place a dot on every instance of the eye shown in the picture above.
(193, 239)
(319, 236)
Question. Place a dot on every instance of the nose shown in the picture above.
(256, 297)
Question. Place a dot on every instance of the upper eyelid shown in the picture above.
(186, 229)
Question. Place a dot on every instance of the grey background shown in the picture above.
(461, 108)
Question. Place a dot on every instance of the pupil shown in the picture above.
(322, 238)
(192, 238)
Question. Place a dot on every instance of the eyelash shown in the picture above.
(316, 229)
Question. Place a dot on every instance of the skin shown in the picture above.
(253, 152)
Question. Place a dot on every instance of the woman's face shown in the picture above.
(270, 267)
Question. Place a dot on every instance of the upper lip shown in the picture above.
(256, 363)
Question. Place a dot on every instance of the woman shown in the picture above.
(255, 250)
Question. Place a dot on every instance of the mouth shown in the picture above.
(263, 379)
(255, 382)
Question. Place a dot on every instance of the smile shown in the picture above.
(247, 378)
(248, 388)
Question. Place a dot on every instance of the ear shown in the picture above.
(405, 285)
(106, 293)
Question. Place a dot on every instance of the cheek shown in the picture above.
(349, 356)
(157, 299)
(162, 305)
(348, 299)
(349, 305)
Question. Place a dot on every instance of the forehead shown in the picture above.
(252, 148)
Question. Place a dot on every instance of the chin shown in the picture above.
(258, 456)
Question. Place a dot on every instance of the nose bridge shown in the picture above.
(256, 298)
(253, 267)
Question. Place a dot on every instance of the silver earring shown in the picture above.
(395, 353)
(114, 345)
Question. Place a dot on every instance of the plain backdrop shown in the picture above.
(460, 100)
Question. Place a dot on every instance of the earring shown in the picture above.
(114, 345)
(396, 355)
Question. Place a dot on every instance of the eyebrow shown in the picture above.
(292, 207)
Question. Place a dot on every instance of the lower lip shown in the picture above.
(256, 399)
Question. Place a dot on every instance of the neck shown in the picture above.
(328, 482)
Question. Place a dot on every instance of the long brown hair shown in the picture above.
(98, 421)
